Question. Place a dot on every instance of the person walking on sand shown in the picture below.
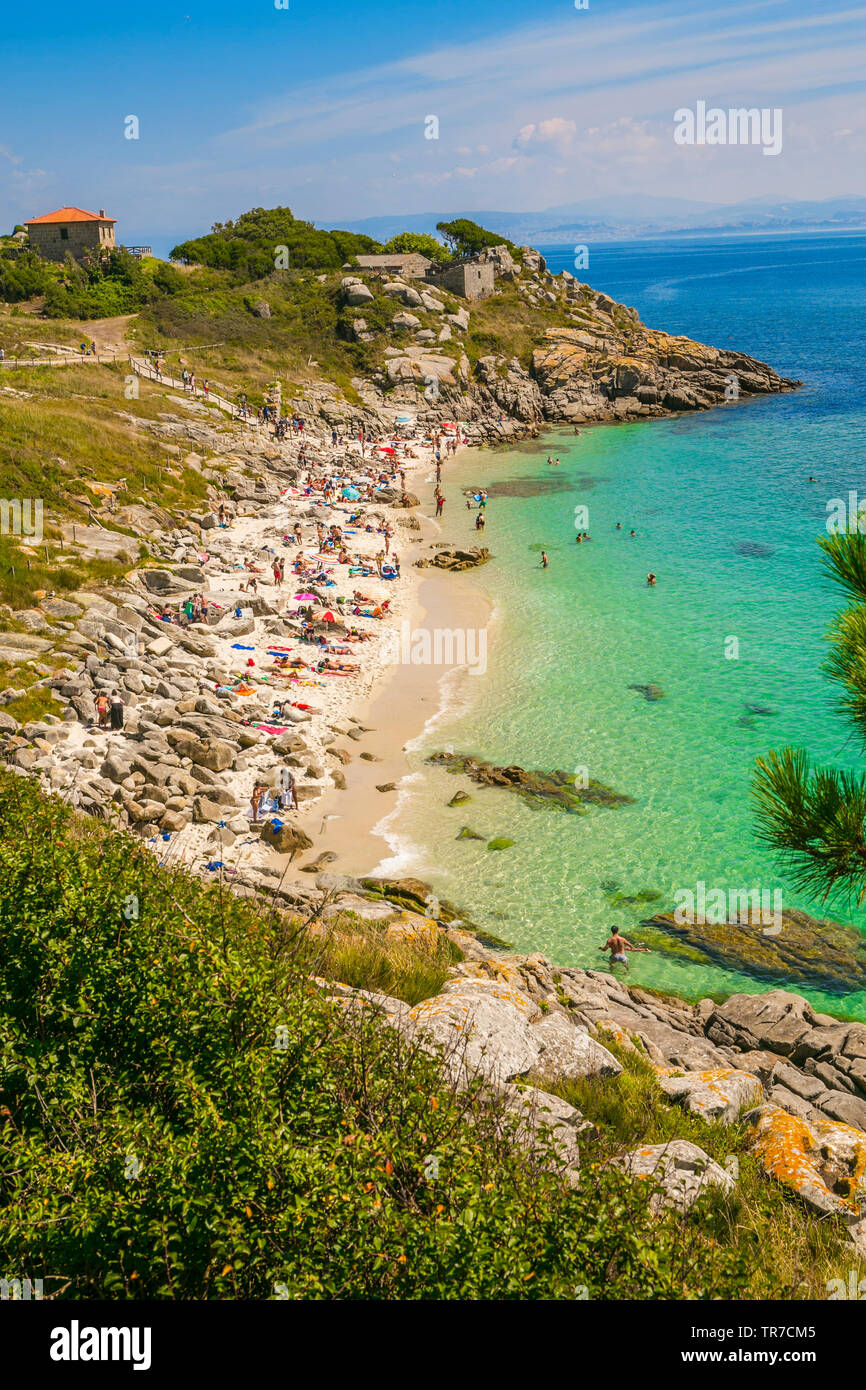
(479, 522)
(440, 503)
(617, 945)
(116, 705)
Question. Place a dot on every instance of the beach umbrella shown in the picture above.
(404, 420)
(328, 617)
(351, 494)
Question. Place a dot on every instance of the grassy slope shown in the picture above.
(69, 427)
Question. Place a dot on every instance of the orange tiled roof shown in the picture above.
(69, 215)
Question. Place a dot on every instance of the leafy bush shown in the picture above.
(23, 276)
(248, 247)
(422, 242)
(186, 1116)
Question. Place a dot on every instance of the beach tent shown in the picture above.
(351, 494)
(328, 617)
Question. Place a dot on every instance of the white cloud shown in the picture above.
(556, 133)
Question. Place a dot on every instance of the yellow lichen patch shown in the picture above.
(497, 989)
(419, 931)
(715, 1080)
(822, 1160)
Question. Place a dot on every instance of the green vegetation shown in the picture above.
(360, 954)
(100, 284)
(187, 1116)
(467, 238)
(789, 1253)
(814, 817)
(69, 430)
(421, 242)
(250, 247)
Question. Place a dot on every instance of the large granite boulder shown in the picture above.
(720, 1094)
(680, 1170)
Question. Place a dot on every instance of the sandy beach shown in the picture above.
(323, 672)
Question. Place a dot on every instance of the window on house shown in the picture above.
(64, 233)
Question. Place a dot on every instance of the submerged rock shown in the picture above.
(502, 842)
(537, 788)
(467, 834)
(826, 954)
(459, 799)
(753, 548)
(649, 692)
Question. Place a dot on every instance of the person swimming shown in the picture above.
(651, 579)
(618, 526)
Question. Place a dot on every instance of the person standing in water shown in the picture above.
(544, 560)
(618, 946)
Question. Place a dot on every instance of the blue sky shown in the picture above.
(322, 106)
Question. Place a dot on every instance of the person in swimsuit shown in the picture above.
(617, 945)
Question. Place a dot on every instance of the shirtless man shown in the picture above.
(617, 945)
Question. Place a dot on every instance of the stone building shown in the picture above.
(470, 279)
(70, 231)
(411, 265)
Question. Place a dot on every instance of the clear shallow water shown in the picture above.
(567, 643)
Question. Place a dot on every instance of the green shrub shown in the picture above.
(187, 1116)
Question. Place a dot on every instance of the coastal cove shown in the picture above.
(726, 516)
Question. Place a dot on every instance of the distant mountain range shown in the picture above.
(624, 218)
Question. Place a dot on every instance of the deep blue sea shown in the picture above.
(726, 517)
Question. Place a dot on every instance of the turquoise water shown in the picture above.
(567, 643)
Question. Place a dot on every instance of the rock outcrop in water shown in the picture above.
(556, 788)
(828, 955)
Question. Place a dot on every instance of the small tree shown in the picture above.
(421, 242)
(814, 817)
(467, 238)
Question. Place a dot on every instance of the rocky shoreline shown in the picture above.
(794, 1077)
